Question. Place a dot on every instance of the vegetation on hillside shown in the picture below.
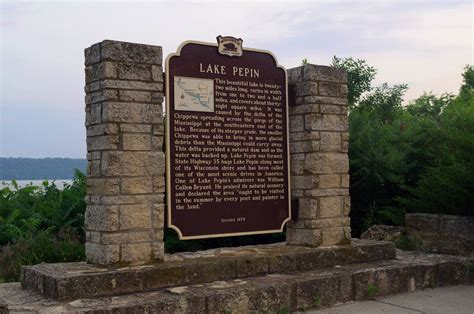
(41, 224)
(414, 158)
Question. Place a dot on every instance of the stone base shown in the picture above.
(274, 293)
(69, 281)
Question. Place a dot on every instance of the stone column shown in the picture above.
(319, 140)
(126, 164)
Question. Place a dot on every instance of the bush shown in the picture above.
(41, 224)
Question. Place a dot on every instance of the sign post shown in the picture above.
(227, 140)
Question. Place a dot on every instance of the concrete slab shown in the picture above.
(368, 307)
(455, 299)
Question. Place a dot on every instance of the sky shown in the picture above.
(424, 44)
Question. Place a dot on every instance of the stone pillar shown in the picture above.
(125, 172)
(319, 140)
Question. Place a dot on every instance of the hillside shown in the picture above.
(39, 169)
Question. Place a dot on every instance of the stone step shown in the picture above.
(68, 281)
(283, 293)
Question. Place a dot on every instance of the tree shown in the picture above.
(359, 77)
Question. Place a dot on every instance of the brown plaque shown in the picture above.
(227, 140)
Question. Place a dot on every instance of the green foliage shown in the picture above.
(408, 243)
(359, 77)
(317, 301)
(414, 158)
(41, 224)
(304, 62)
(372, 290)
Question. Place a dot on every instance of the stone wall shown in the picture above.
(319, 140)
(126, 163)
(447, 234)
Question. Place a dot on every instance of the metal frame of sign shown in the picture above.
(168, 155)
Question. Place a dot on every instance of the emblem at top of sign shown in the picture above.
(230, 46)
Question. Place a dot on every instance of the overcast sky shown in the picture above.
(422, 43)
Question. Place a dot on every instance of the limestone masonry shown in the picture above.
(126, 164)
(319, 141)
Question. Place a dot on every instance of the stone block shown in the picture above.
(308, 208)
(330, 206)
(296, 123)
(304, 136)
(332, 89)
(297, 167)
(158, 249)
(108, 238)
(134, 71)
(102, 254)
(304, 146)
(93, 168)
(157, 142)
(159, 184)
(326, 192)
(330, 109)
(132, 163)
(102, 142)
(326, 163)
(157, 73)
(135, 128)
(134, 253)
(330, 142)
(131, 113)
(302, 109)
(326, 122)
(324, 100)
(302, 182)
(68, 281)
(102, 129)
(135, 95)
(125, 85)
(334, 236)
(329, 181)
(323, 290)
(345, 147)
(101, 218)
(93, 114)
(345, 181)
(135, 216)
(139, 185)
(130, 52)
(295, 75)
(306, 89)
(158, 214)
(157, 97)
(92, 54)
(137, 141)
(159, 128)
(305, 237)
(312, 72)
(100, 71)
(101, 95)
(103, 186)
(347, 205)
(131, 199)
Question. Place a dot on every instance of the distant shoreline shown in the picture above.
(60, 183)
(39, 169)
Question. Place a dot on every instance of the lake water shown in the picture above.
(22, 183)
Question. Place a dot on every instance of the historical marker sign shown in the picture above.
(227, 140)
